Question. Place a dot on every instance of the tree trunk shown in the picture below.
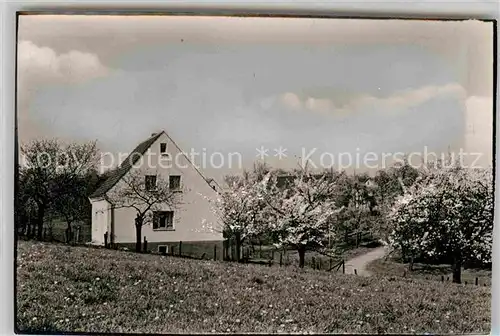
(457, 267)
(138, 233)
(404, 254)
(27, 228)
(238, 246)
(138, 241)
(302, 255)
(39, 221)
(21, 223)
(68, 233)
(30, 230)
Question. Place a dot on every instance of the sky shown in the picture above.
(313, 87)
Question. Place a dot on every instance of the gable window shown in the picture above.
(163, 148)
(163, 220)
(150, 182)
(174, 182)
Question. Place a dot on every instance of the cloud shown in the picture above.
(291, 100)
(452, 41)
(39, 65)
(318, 104)
(409, 98)
(38, 68)
(398, 100)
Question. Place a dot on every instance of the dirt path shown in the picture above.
(359, 263)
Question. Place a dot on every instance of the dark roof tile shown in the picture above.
(125, 166)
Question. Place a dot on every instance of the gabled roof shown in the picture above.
(132, 158)
(125, 166)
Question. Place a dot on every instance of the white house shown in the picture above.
(184, 224)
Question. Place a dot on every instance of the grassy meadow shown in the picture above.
(80, 289)
(393, 266)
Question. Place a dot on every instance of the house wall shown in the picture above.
(188, 216)
(101, 220)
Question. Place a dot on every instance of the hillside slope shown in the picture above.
(62, 288)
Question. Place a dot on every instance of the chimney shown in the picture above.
(153, 134)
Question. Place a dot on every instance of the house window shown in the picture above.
(163, 148)
(174, 182)
(163, 220)
(162, 249)
(150, 182)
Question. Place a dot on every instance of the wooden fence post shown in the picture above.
(215, 252)
(313, 261)
(77, 235)
(343, 266)
(106, 239)
(355, 271)
(180, 249)
(319, 264)
(172, 248)
(145, 248)
(442, 278)
(447, 278)
(477, 281)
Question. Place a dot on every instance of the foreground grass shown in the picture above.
(81, 289)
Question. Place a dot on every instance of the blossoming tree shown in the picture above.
(299, 215)
(239, 211)
(447, 213)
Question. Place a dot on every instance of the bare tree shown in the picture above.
(45, 161)
(134, 192)
(71, 202)
(26, 209)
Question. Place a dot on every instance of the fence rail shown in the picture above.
(264, 256)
